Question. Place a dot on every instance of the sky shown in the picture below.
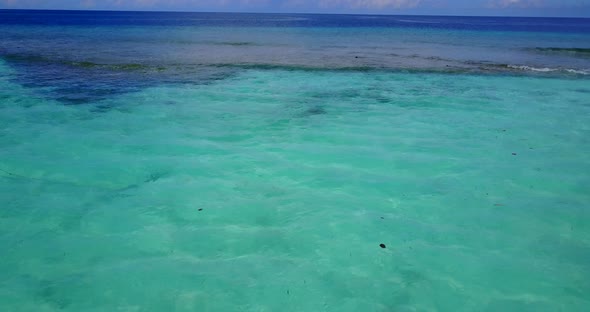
(574, 8)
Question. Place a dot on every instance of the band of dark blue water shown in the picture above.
(78, 56)
(113, 18)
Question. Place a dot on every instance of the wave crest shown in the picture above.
(549, 70)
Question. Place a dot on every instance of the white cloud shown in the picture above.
(369, 4)
(516, 3)
(196, 3)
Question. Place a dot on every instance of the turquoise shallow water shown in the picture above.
(271, 190)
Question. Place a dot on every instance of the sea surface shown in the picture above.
(293, 162)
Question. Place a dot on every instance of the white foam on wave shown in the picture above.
(581, 72)
(547, 69)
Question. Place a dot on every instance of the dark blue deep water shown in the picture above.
(115, 18)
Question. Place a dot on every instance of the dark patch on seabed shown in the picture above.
(83, 82)
(314, 110)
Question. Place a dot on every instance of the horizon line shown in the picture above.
(309, 13)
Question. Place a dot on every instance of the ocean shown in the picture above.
(293, 162)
